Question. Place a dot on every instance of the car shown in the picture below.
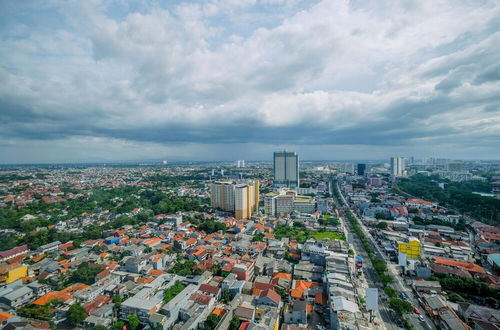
(415, 310)
(421, 318)
(404, 296)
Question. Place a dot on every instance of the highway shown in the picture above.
(398, 284)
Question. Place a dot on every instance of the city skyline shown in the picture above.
(114, 80)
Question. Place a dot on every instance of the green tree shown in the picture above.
(382, 225)
(118, 325)
(225, 296)
(173, 291)
(117, 300)
(211, 322)
(76, 314)
(455, 297)
(259, 237)
(185, 267)
(379, 265)
(282, 292)
(390, 291)
(133, 321)
(216, 269)
(235, 323)
(385, 279)
(400, 306)
(211, 226)
(85, 273)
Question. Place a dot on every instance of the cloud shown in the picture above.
(325, 73)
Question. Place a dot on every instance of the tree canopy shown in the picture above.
(76, 314)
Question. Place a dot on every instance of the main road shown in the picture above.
(400, 286)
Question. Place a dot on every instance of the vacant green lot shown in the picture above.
(326, 235)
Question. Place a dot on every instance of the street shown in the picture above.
(371, 276)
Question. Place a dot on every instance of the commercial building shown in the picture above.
(241, 198)
(286, 169)
(287, 201)
(397, 166)
(412, 248)
(361, 169)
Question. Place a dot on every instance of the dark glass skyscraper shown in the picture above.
(361, 169)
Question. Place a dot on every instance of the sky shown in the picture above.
(104, 80)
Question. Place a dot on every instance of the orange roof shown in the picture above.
(468, 266)
(300, 286)
(305, 284)
(296, 293)
(199, 252)
(4, 316)
(320, 298)
(69, 252)
(146, 280)
(61, 296)
(256, 292)
(38, 257)
(218, 311)
(191, 241)
(7, 267)
(285, 276)
(418, 201)
(152, 241)
(66, 245)
(156, 272)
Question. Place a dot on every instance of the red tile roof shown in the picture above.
(200, 298)
(271, 294)
(209, 289)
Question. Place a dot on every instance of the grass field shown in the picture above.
(326, 235)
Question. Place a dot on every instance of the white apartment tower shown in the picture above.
(286, 169)
(397, 166)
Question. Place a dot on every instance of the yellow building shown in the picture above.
(412, 248)
(16, 273)
(222, 195)
(241, 198)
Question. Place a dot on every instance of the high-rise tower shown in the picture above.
(397, 166)
(286, 169)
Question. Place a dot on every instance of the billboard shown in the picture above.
(372, 299)
(402, 259)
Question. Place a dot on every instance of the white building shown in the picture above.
(397, 166)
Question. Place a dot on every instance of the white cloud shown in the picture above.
(348, 70)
